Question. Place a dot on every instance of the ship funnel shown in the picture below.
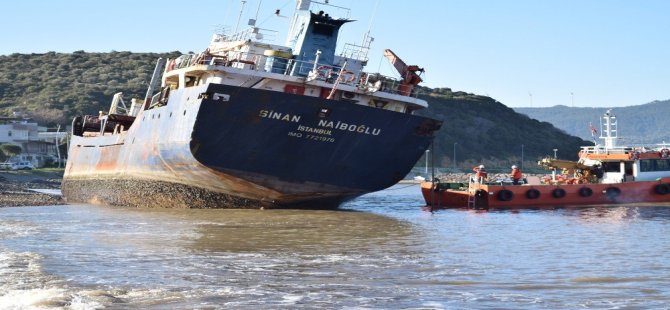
(310, 32)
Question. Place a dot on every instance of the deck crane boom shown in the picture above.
(410, 77)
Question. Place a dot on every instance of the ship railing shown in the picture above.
(251, 33)
(599, 149)
(365, 81)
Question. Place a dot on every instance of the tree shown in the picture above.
(9, 150)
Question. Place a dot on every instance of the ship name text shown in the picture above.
(279, 116)
(350, 127)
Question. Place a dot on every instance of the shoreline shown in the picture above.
(15, 188)
(464, 177)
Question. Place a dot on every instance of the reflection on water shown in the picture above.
(382, 251)
(315, 232)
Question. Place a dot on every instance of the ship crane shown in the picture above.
(410, 77)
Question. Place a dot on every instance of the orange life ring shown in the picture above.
(634, 155)
(324, 71)
(351, 76)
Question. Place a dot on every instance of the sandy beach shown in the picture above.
(15, 188)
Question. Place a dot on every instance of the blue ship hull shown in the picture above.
(220, 146)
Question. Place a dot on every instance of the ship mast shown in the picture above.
(608, 130)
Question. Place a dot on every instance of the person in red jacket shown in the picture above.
(516, 175)
(480, 173)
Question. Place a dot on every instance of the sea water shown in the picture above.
(381, 251)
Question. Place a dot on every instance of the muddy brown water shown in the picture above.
(381, 251)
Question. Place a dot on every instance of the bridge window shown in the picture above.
(655, 165)
(611, 167)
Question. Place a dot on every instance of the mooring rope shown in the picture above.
(393, 189)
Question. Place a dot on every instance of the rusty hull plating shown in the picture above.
(199, 152)
(247, 123)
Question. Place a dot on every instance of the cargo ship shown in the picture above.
(604, 174)
(250, 124)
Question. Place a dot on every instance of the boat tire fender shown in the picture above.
(505, 195)
(585, 192)
(558, 193)
(662, 189)
(481, 193)
(532, 194)
(612, 192)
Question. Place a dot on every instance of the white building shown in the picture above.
(38, 146)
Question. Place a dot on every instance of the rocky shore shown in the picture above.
(464, 177)
(15, 188)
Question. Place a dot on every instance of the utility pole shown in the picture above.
(521, 158)
(427, 151)
(455, 155)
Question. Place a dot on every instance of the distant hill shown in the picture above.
(54, 87)
(642, 124)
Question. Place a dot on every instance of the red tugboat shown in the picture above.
(605, 174)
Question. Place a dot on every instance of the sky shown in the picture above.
(523, 53)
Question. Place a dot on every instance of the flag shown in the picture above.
(594, 131)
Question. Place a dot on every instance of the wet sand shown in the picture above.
(15, 188)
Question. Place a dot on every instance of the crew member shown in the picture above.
(480, 173)
(516, 175)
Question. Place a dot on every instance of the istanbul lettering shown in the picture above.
(325, 128)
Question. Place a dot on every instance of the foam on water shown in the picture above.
(391, 256)
(23, 285)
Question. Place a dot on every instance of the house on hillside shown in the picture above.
(37, 144)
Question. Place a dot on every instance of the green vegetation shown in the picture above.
(54, 87)
(9, 150)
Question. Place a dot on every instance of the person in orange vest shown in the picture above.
(480, 173)
(516, 175)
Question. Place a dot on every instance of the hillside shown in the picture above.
(486, 131)
(54, 87)
(637, 124)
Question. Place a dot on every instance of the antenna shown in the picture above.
(372, 18)
(258, 9)
(237, 25)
